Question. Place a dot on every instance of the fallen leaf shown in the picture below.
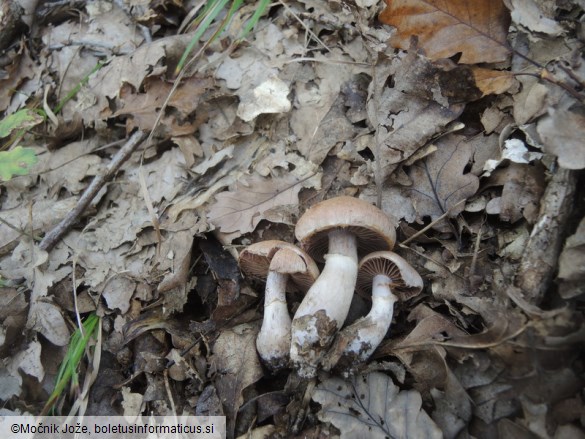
(268, 97)
(440, 181)
(238, 366)
(319, 117)
(572, 264)
(240, 210)
(372, 406)
(131, 402)
(523, 186)
(562, 134)
(143, 106)
(10, 383)
(118, 292)
(406, 106)
(46, 318)
(492, 81)
(21, 120)
(531, 101)
(446, 28)
(528, 14)
(29, 361)
(17, 161)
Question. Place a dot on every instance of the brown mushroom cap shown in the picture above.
(406, 282)
(285, 258)
(373, 229)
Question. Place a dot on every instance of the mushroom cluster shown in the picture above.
(339, 232)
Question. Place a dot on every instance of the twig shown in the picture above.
(427, 227)
(542, 251)
(51, 239)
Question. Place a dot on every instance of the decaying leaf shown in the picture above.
(372, 406)
(440, 183)
(407, 106)
(446, 28)
(528, 14)
(46, 318)
(238, 366)
(268, 97)
(562, 133)
(240, 210)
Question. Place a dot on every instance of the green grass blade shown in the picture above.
(209, 16)
(68, 369)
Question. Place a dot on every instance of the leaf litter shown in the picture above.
(463, 124)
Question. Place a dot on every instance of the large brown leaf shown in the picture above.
(477, 29)
(238, 366)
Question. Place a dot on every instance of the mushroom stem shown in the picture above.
(273, 341)
(342, 242)
(355, 343)
(326, 304)
(372, 328)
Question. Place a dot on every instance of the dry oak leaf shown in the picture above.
(439, 182)
(238, 366)
(372, 406)
(241, 209)
(444, 28)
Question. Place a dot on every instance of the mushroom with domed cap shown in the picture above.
(337, 231)
(285, 267)
(388, 278)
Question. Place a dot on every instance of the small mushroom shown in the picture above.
(335, 230)
(285, 267)
(388, 278)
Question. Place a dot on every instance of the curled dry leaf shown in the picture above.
(372, 406)
(440, 181)
(446, 28)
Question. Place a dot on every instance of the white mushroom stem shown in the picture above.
(273, 341)
(358, 341)
(369, 331)
(326, 304)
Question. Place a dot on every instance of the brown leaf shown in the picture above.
(238, 366)
(477, 30)
(407, 104)
(241, 209)
(492, 81)
(440, 183)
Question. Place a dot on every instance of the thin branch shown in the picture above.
(51, 239)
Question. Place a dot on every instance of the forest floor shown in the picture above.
(466, 127)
